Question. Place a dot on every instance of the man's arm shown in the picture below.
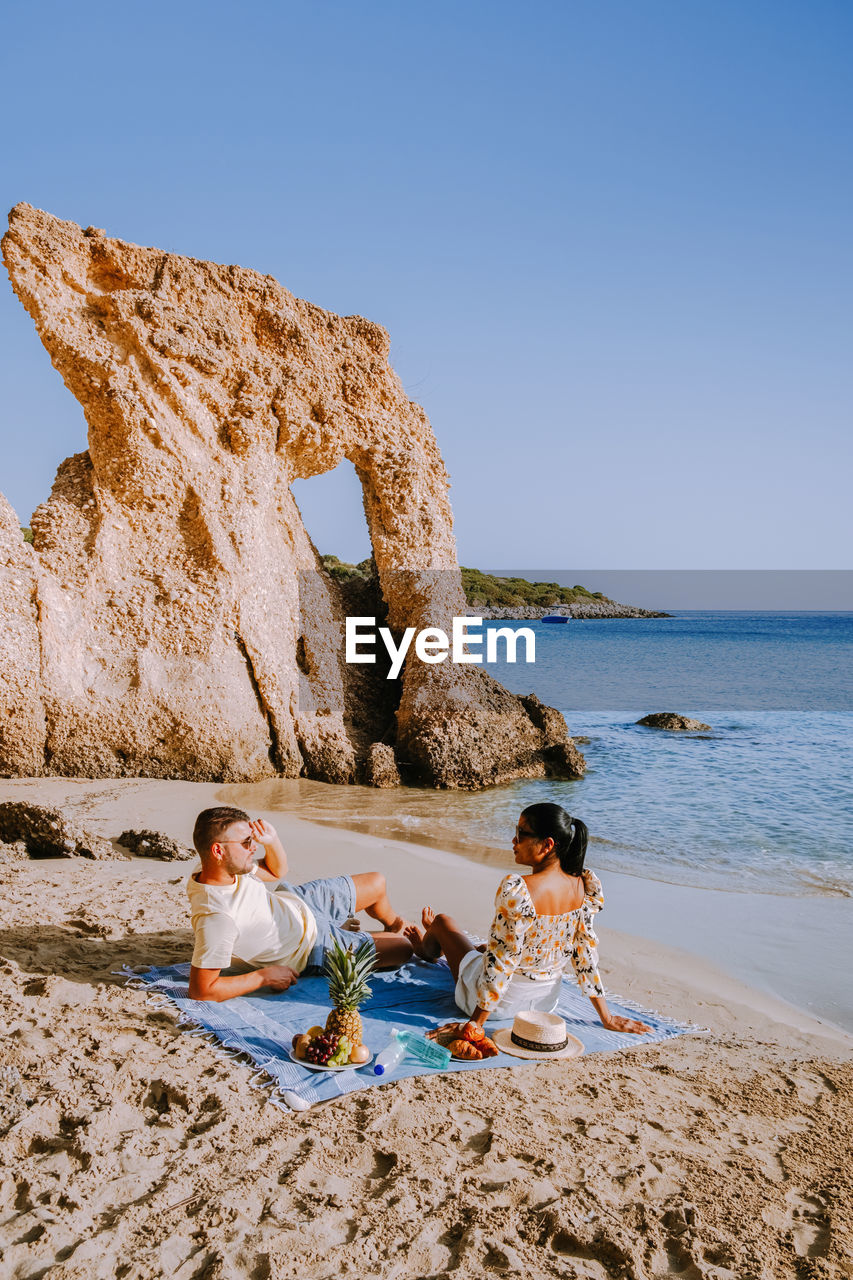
(209, 984)
(274, 863)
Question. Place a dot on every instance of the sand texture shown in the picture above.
(132, 1150)
(172, 618)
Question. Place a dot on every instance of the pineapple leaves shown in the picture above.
(348, 971)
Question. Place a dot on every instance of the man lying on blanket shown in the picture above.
(243, 910)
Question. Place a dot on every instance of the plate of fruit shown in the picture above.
(321, 1050)
(338, 1046)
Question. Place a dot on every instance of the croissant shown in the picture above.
(488, 1048)
(473, 1032)
(464, 1049)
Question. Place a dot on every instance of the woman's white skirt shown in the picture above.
(521, 994)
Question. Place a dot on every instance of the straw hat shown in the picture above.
(538, 1035)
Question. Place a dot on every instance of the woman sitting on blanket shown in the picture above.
(541, 921)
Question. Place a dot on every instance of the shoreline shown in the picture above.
(718, 1154)
(675, 928)
(575, 612)
(757, 933)
(469, 893)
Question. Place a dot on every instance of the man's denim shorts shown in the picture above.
(331, 902)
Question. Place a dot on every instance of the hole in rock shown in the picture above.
(332, 511)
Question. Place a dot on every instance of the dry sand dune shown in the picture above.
(132, 1150)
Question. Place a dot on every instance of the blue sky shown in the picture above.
(611, 243)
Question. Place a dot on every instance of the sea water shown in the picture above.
(761, 802)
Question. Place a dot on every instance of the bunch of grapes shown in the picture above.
(322, 1048)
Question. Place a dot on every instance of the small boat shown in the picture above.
(556, 617)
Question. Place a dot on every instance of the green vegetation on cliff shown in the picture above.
(484, 589)
(344, 572)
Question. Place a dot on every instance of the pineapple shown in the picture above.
(348, 972)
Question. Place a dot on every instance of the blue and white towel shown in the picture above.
(417, 997)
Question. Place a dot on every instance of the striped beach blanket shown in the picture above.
(259, 1028)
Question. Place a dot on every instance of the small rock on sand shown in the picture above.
(153, 844)
(49, 833)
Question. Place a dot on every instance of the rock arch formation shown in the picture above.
(172, 618)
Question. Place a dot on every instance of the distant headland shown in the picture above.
(488, 596)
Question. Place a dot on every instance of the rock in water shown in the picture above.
(172, 618)
(670, 720)
(381, 767)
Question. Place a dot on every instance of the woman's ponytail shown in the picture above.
(572, 860)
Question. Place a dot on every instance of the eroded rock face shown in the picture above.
(22, 718)
(381, 766)
(172, 618)
(672, 721)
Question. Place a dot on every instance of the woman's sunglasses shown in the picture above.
(522, 834)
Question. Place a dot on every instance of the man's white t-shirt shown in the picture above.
(248, 922)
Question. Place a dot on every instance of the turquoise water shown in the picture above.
(763, 802)
(709, 661)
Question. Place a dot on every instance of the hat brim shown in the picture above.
(503, 1039)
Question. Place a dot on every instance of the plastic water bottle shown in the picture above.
(430, 1053)
(390, 1057)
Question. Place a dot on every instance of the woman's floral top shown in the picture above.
(539, 946)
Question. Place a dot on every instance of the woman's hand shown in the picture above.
(452, 1029)
(457, 1031)
(614, 1023)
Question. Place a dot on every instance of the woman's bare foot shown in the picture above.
(424, 945)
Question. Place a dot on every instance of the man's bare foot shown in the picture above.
(424, 946)
(398, 925)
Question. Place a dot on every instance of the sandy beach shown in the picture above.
(133, 1150)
